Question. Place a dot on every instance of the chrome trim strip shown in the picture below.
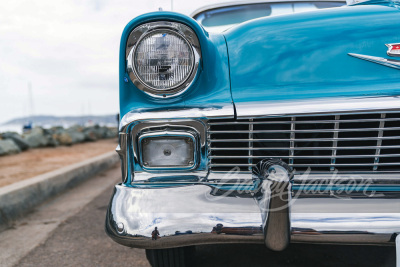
(303, 148)
(392, 63)
(310, 157)
(218, 174)
(307, 139)
(377, 178)
(310, 107)
(301, 122)
(307, 165)
(216, 111)
(310, 130)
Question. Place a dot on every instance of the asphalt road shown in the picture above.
(80, 241)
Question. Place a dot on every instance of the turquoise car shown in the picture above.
(255, 123)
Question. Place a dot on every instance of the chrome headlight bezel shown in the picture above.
(184, 32)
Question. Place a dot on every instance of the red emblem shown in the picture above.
(394, 50)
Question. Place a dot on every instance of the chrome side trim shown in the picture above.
(136, 116)
(304, 107)
(392, 63)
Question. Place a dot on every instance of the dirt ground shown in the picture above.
(33, 162)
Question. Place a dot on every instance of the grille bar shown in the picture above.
(299, 122)
(307, 157)
(379, 142)
(309, 131)
(308, 139)
(250, 157)
(310, 165)
(304, 148)
(368, 142)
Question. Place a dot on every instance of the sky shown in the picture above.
(67, 51)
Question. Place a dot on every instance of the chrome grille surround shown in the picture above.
(347, 142)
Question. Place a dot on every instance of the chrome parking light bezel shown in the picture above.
(169, 133)
(183, 31)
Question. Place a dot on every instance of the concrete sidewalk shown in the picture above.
(19, 198)
(35, 228)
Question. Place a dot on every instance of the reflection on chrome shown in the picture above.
(273, 205)
(195, 219)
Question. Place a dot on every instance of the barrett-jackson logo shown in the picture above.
(394, 50)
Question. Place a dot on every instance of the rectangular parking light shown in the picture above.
(167, 151)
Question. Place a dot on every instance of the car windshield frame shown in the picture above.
(218, 18)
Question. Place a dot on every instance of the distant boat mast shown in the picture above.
(31, 106)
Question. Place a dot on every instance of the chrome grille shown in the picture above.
(368, 142)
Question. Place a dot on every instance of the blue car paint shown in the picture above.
(290, 57)
(304, 55)
(212, 86)
(297, 56)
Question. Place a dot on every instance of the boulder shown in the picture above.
(36, 138)
(8, 147)
(51, 141)
(90, 134)
(77, 137)
(112, 132)
(18, 140)
(63, 138)
(76, 134)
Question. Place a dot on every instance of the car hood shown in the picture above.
(305, 55)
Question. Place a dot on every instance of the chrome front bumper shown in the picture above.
(201, 213)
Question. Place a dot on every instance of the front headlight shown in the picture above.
(163, 58)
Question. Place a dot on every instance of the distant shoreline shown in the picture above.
(47, 120)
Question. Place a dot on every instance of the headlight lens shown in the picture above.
(163, 60)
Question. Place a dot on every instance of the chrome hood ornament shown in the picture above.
(393, 50)
(392, 63)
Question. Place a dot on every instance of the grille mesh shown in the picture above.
(325, 143)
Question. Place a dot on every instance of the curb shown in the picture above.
(21, 197)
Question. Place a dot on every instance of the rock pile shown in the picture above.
(12, 143)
